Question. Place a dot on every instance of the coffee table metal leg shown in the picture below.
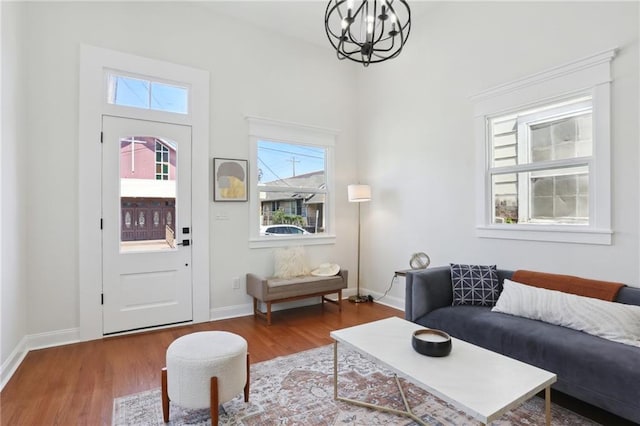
(335, 370)
(547, 405)
(406, 413)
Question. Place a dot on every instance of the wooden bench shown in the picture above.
(275, 290)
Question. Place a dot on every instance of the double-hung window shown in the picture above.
(544, 155)
(291, 195)
(540, 161)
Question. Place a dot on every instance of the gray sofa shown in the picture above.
(595, 370)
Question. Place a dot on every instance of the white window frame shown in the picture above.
(587, 76)
(298, 134)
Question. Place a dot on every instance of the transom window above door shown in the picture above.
(138, 92)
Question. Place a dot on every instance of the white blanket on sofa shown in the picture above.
(609, 320)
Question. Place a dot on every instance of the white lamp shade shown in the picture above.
(359, 193)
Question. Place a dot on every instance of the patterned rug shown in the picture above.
(298, 390)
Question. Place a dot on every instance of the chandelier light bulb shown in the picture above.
(367, 31)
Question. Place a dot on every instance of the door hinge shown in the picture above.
(100, 223)
(101, 137)
(102, 298)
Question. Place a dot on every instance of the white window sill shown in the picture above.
(558, 234)
(283, 241)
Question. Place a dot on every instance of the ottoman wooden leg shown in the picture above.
(165, 397)
(246, 386)
(214, 401)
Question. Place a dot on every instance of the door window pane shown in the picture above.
(147, 193)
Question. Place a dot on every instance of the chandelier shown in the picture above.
(367, 31)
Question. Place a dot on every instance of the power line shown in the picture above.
(273, 173)
(291, 153)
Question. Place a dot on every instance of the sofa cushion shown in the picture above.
(474, 284)
(588, 367)
(604, 290)
(610, 320)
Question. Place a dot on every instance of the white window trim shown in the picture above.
(590, 75)
(282, 131)
(94, 64)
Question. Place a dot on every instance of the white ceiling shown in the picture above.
(301, 19)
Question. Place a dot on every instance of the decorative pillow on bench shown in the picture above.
(290, 262)
(475, 284)
(614, 321)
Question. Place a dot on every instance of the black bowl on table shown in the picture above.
(431, 342)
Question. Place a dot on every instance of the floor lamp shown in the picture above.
(359, 194)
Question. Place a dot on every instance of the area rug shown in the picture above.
(298, 390)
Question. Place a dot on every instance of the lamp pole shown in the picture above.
(359, 194)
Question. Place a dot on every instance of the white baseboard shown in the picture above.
(12, 363)
(247, 309)
(391, 301)
(233, 311)
(31, 342)
(53, 338)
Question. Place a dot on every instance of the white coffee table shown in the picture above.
(482, 383)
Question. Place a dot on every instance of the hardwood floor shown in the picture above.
(75, 384)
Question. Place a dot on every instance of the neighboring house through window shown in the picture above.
(544, 154)
(292, 167)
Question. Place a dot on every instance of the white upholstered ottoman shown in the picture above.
(205, 369)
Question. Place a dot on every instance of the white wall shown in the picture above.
(415, 136)
(253, 72)
(13, 260)
(419, 142)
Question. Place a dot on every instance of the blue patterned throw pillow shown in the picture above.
(475, 284)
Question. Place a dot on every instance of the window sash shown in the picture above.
(261, 129)
(588, 77)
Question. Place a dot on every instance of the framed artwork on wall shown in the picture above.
(230, 178)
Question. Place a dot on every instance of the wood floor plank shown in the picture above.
(75, 384)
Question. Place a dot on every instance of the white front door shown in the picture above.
(146, 224)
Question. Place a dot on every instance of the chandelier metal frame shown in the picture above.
(367, 31)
